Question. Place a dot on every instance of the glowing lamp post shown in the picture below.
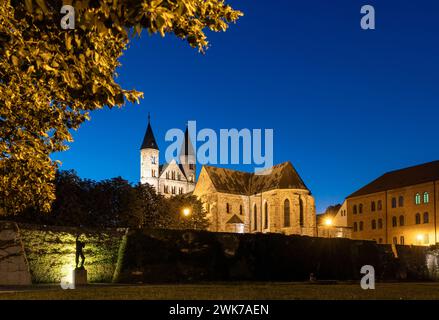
(186, 212)
(328, 222)
(420, 238)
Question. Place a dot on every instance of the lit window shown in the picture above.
(418, 199)
(426, 197)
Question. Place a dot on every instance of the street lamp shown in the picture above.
(186, 212)
(328, 222)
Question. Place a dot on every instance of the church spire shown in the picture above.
(187, 149)
(149, 139)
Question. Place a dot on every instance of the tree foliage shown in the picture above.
(51, 78)
(115, 203)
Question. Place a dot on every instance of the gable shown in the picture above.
(172, 166)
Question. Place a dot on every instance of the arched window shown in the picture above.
(402, 240)
(301, 220)
(394, 222)
(355, 227)
(240, 210)
(418, 199)
(380, 223)
(418, 218)
(255, 218)
(354, 209)
(426, 218)
(380, 205)
(287, 222)
(360, 208)
(374, 224)
(266, 216)
(373, 206)
(393, 202)
(426, 197)
(361, 225)
(401, 201)
(227, 207)
(401, 221)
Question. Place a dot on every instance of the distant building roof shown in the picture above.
(235, 220)
(282, 176)
(149, 139)
(419, 174)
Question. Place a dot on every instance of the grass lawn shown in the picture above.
(236, 291)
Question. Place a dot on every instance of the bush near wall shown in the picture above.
(184, 256)
(51, 251)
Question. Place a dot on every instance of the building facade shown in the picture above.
(334, 224)
(400, 207)
(240, 202)
(171, 178)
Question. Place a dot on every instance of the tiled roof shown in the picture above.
(282, 176)
(419, 174)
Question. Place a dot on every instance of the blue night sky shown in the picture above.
(346, 105)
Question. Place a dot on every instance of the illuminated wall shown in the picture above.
(50, 252)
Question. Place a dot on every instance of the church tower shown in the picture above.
(149, 158)
(188, 161)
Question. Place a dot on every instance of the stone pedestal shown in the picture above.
(80, 277)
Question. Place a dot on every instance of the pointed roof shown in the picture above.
(282, 176)
(149, 139)
(235, 220)
(187, 149)
(419, 174)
